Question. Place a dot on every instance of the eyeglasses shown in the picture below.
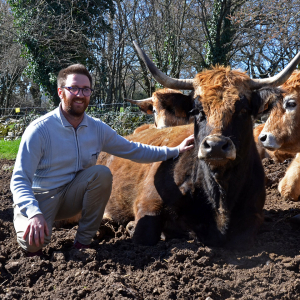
(76, 90)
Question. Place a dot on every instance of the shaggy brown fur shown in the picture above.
(144, 127)
(219, 89)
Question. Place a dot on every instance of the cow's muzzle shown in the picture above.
(217, 149)
(268, 140)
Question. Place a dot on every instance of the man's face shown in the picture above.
(74, 105)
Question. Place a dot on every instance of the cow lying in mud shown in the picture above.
(169, 107)
(281, 132)
(216, 191)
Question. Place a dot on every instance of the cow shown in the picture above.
(281, 132)
(215, 191)
(169, 107)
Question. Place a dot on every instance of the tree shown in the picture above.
(212, 31)
(158, 26)
(268, 36)
(55, 34)
(219, 31)
(11, 64)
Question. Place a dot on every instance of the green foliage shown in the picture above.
(4, 130)
(9, 149)
(55, 34)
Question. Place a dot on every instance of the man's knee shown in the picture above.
(103, 176)
(31, 248)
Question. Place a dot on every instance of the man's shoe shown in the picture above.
(78, 245)
(32, 254)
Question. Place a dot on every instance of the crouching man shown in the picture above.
(55, 176)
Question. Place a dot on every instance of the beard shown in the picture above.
(74, 109)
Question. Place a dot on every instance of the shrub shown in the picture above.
(124, 122)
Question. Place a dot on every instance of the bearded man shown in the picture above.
(55, 176)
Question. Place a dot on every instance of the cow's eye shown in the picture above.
(290, 104)
(198, 113)
(243, 111)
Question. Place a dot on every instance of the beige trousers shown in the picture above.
(88, 193)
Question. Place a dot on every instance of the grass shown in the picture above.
(9, 149)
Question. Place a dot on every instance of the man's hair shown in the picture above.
(73, 69)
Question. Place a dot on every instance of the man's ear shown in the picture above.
(60, 93)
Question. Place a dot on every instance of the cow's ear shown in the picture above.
(146, 108)
(267, 97)
(145, 105)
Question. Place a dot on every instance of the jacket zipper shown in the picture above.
(78, 152)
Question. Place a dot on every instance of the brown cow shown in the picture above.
(282, 132)
(216, 191)
(170, 108)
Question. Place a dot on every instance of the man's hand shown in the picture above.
(187, 144)
(36, 228)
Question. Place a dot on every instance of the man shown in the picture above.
(55, 176)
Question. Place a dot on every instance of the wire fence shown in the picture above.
(20, 117)
(20, 112)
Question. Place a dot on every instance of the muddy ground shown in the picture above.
(114, 268)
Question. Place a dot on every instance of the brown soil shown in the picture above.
(114, 268)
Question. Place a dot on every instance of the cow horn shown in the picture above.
(163, 79)
(278, 79)
(137, 102)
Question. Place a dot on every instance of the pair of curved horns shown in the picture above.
(187, 84)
